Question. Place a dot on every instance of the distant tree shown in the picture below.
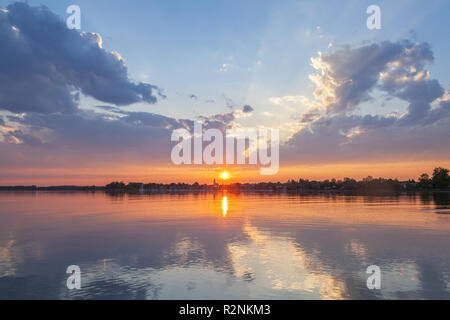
(349, 184)
(134, 186)
(440, 178)
(115, 186)
(424, 180)
(291, 184)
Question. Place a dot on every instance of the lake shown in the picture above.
(223, 246)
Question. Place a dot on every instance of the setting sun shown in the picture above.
(225, 175)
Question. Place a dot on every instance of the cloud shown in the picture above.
(420, 95)
(291, 100)
(348, 76)
(441, 112)
(357, 138)
(293, 103)
(19, 137)
(247, 109)
(309, 117)
(112, 109)
(228, 102)
(329, 132)
(44, 66)
(225, 67)
(88, 138)
(221, 121)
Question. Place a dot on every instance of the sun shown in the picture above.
(225, 175)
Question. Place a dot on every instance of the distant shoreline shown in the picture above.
(51, 188)
(211, 189)
(439, 182)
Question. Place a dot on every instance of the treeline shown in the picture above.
(50, 188)
(368, 184)
(439, 180)
(137, 186)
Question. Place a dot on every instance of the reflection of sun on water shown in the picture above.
(277, 262)
(224, 206)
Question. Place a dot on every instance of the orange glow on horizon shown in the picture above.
(103, 174)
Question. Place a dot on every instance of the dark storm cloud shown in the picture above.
(44, 65)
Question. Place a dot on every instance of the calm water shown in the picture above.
(223, 246)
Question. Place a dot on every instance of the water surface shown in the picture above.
(223, 246)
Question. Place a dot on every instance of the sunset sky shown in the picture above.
(91, 106)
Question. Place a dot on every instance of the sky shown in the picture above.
(100, 104)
